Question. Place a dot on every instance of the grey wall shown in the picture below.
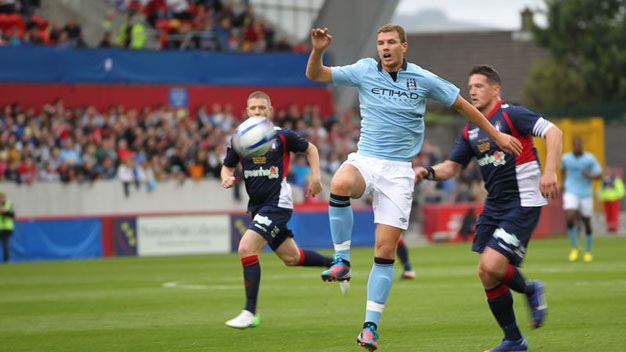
(107, 197)
(614, 148)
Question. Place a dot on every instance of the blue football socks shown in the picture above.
(341, 221)
(378, 287)
(573, 236)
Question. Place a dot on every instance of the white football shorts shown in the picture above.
(583, 205)
(391, 183)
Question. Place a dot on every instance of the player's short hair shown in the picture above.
(394, 28)
(261, 95)
(493, 77)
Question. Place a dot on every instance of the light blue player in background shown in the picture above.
(392, 95)
(579, 168)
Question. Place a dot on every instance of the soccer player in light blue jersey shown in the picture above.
(579, 168)
(392, 95)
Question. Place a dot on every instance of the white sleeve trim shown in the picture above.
(541, 127)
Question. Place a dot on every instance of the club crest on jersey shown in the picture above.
(259, 160)
(411, 84)
(473, 133)
(498, 125)
(498, 158)
(484, 147)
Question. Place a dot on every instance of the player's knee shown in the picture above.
(488, 270)
(570, 223)
(385, 250)
(244, 250)
(291, 260)
(340, 186)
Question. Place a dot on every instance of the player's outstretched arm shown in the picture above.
(554, 145)
(440, 172)
(506, 142)
(315, 70)
(228, 176)
(313, 157)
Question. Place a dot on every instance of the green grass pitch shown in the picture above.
(126, 304)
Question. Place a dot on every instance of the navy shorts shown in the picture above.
(506, 231)
(271, 223)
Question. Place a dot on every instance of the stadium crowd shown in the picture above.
(148, 145)
(209, 25)
(181, 24)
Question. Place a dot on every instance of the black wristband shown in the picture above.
(431, 173)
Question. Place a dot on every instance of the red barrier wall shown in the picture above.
(136, 96)
(443, 221)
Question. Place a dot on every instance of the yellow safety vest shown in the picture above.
(6, 222)
(610, 194)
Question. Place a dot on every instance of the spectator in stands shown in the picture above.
(283, 44)
(300, 171)
(55, 158)
(176, 164)
(107, 22)
(14, 38)
(87, 172)
(27, 171)
(159, 164)
(179, 9)
(64, 41)
(12, 173)
(147, 176)
(4, 163)
(69, 154)
(199, 167)
(55, 32)
(244, 19)
(7, 215)
(7, 6)
(208, 36)
(216, 155)
(73, 30)
(106, 170)
(131, 34)
(80, 42)
(49, 173)
(123, 152)
(270, 35)
(127, 173)
(223, 32)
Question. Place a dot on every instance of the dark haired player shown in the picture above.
(392, 95)
(517, 191)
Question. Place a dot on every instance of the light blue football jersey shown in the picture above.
(575, 183)
(392, 112)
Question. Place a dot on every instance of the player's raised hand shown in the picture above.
(228, 181)
(509, 144)
(420, 174)
(548, 186)
(320, 39)
(315, 187)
